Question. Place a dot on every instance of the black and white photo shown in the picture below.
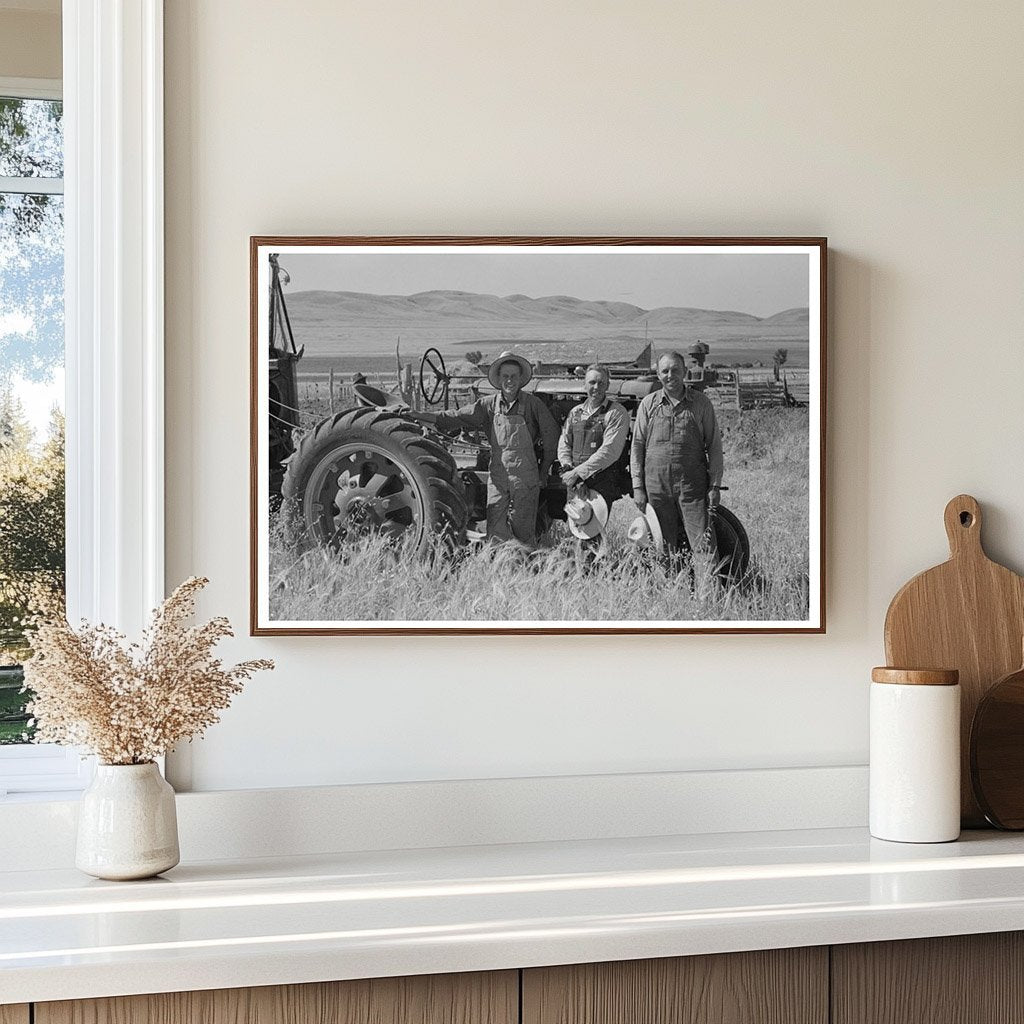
(537, 435)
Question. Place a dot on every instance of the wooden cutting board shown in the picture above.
(967, 614)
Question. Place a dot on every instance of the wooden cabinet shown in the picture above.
(491, 998)
(967, 979)
(777, 986)
(962, 979)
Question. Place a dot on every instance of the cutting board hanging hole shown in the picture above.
(963, 526)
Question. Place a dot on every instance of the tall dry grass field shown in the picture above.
(766, 460)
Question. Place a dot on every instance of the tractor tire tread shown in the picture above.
(443, 490)
(433, 448)
(428, 463)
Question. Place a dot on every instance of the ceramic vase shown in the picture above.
(127, 825)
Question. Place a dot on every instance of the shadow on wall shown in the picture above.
(853, 289)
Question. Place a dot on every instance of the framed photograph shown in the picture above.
(537, 435)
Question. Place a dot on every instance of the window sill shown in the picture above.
(48, 797)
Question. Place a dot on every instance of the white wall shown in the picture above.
(894, 129)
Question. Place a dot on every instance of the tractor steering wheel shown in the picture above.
(434, 385)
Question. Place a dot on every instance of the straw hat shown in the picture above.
(586, 514)
(509, 357)
(645, 531)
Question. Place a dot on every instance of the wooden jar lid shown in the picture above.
(916, 676)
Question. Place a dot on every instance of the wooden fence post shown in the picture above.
(330, 384)
(413, 398)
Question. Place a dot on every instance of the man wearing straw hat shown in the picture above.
(676, 459)
(516, 424)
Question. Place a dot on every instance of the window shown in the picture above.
(32, 533)
(31, 377)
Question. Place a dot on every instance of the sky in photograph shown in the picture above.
(760, 284)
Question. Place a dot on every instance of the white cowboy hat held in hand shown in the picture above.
(645, 531)
(586, 514)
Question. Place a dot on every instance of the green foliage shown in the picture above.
(31, 547)
(31, 523)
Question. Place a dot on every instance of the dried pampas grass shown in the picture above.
(130, 703)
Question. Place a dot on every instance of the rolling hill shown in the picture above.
(341, 325)
(464, 309)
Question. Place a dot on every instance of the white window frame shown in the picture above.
(114, 325)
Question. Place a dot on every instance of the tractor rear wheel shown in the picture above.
(365, 472)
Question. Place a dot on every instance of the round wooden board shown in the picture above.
(997, 752)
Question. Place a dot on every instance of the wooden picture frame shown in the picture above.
(365, 519)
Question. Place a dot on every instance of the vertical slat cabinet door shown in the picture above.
(959, 979)
(480, 998)
(775, 986)
(14, 1014)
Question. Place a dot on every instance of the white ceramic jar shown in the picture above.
(915, 755)
(127, 823)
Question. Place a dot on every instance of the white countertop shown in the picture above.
(225, 924)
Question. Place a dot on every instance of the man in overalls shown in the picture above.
(676, 459)
(594, 437)
(515, 423)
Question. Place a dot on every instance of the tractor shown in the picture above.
(370, 469)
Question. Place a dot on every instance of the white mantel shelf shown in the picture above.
(224, 924)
